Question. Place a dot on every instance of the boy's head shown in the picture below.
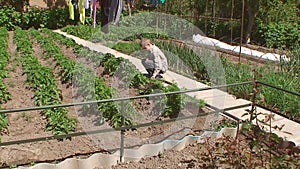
(145, 43)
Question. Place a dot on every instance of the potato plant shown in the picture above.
(41, 81)
(54, 51)
(4, 57)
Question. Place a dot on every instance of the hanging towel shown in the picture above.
(118, 11)
(71, 10)
(81, 11)
(94, 11)
(108, 11)
(86, 4)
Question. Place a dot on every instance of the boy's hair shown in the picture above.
(145, 42)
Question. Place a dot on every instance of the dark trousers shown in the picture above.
(108, 10)
(149, 66)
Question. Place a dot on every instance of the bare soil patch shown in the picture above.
(31, 124)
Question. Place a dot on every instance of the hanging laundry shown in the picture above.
(156, 2)
(86, 4)
(108, 11)
(94, 11)
(71, 9)
(118, 12)
(81, 11)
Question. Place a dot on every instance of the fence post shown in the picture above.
(122, 131)
(255, 91)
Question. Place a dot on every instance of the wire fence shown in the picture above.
(123, 128)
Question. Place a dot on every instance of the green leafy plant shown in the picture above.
(42, 82)
(4, 57)
(52, 50)
(127, 47)
(174, 102)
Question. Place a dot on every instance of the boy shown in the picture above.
(156, 62)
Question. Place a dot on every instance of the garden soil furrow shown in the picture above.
(65, 89)
(20, 124)
(31, 124)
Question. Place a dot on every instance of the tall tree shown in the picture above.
(252, 8)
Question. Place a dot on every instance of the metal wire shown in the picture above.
(119, 99)
(278, 88)
(59, 137)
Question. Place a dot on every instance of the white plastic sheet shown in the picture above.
(216, 43)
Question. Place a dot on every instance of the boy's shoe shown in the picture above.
(159, 76)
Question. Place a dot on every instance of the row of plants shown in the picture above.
(82, 75)
(70, 43)
(4, 58)
(87, 85)
(287, 77)
(41, 81)
(126, 73)
(53, 51)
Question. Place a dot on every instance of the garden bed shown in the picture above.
(26, 125)
(31, 124)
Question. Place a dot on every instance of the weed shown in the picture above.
(11, 83)
(13, 166)
(26, 116)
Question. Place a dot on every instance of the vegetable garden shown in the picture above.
(284, 75)
(40, 79)
(53, 70)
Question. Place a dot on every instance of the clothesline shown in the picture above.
(80, 6)
(110, 10)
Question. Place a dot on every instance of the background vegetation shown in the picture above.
(271, 23)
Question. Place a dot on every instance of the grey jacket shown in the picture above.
(159, 59)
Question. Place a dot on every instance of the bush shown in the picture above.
(53, 18)
(9, 17)
(282, 35)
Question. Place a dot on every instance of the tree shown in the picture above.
(19, 5)
(252, 8)
(278, 23)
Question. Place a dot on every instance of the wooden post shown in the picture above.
(122, 131)
(242, 30)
